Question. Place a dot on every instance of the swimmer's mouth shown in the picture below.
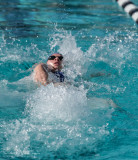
(56, 63)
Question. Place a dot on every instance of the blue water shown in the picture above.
(93, 118)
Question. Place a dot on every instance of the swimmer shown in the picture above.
(51, 71)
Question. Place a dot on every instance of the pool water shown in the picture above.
(92, 118)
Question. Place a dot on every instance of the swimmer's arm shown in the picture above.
(40, 74)
(99, 74)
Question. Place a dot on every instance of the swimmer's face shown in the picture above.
(55, 61)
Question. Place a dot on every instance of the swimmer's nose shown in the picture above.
(56, 59)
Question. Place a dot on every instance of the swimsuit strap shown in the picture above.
(60, 75)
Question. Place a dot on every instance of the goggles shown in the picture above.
(53, 57)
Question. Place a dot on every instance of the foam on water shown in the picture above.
(113, 49)
(55, 121)
(65, 120)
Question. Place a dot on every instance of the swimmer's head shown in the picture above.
(55, 61)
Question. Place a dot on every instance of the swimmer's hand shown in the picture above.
(40, 75)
